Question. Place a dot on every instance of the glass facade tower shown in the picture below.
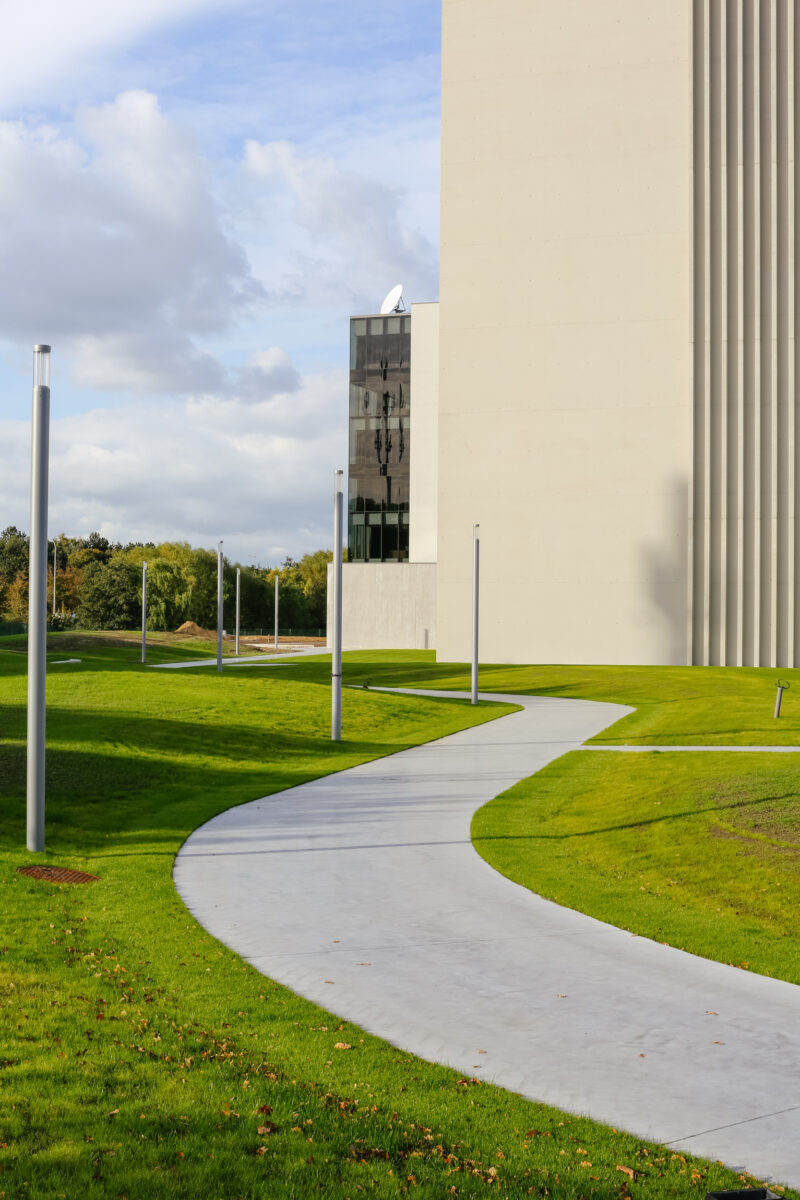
(380, 408)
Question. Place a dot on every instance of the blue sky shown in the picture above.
(194, 196)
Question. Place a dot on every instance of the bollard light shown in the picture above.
(783, 686)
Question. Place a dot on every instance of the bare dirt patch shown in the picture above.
(191, 629)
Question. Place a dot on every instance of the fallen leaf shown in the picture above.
(365, 964)
(626, 1171)
(267, 1129)
(343, 1046)
(710, 1013)
(561, 995)
(113, 1112)
(266, 1109)
(481, 1052)
(584, 1164)
(329, 981)
(717, 1043)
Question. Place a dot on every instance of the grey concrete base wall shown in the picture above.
(386, 606)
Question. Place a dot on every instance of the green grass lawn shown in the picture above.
(701, 851)
(140, 1058)
(704, 706)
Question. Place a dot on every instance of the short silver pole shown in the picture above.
(276, 612)
(476, 566)
(55, 568)
(336, 640)
(238, 595)
(783, 686)
(37, 596)
(144, 610)
(219, 607)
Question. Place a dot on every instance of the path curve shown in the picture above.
(362, 892)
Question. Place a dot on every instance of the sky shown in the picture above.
(194, 197)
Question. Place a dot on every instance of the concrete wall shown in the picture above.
(566, 325)
(746, 279)
(386, 606)
(424, 460)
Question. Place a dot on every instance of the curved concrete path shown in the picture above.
(362, 892)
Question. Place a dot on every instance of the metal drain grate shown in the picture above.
(57, 874)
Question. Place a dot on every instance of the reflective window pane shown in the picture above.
(379, 438)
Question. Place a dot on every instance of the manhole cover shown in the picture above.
(57, 874)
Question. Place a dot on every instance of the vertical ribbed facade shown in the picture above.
(745, 549)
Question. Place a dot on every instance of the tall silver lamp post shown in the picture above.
(37, 596)
(238, 596)
(276, 612)
(336, 640)
(219, 607)
(144, 610)
(476, 568)
(55, 568)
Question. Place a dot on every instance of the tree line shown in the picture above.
(99, 585)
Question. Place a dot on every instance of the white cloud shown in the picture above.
(257, 474)
(356, 238)
(152, 360)
(268, 373)
(43, 40)
(114, 244)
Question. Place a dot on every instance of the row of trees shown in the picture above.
(98, 585)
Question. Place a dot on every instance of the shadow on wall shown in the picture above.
(667, 573)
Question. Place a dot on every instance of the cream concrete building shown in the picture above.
(617, 352)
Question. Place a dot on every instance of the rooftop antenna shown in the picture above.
(394, 301)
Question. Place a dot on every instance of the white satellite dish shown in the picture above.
(394, 301)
